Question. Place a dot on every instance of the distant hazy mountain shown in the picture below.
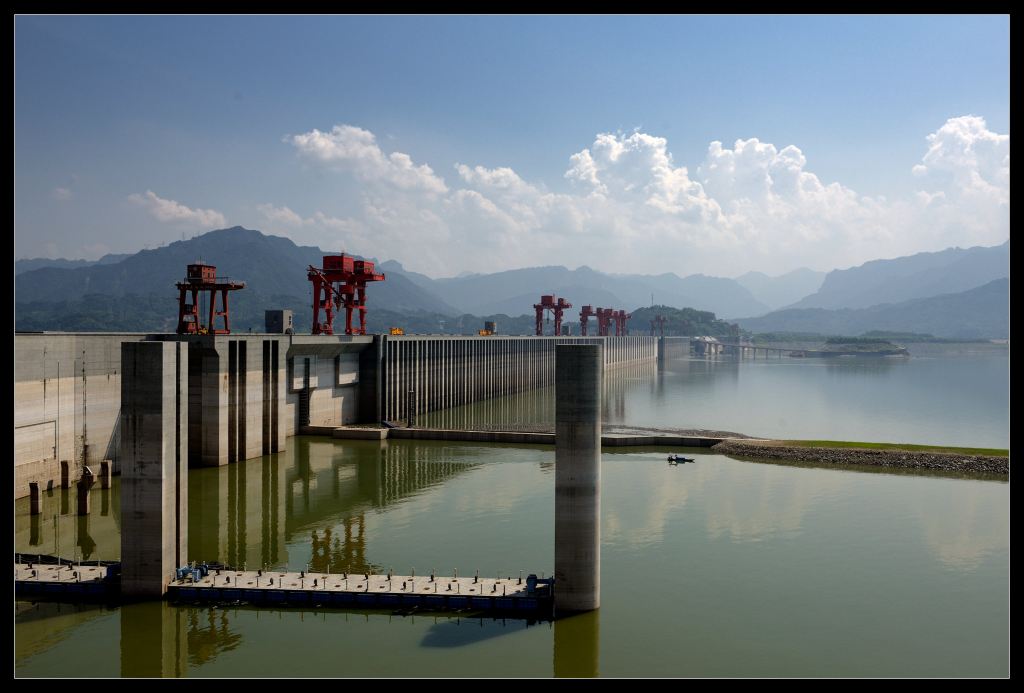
(515, 291)
(394, 266)
(270, 266)
(915, 276)
(29, 264)
(776, 292)
(981, 312)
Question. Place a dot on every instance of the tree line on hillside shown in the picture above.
(159, 313)
(686, 322)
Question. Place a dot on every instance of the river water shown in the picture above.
(718, 568)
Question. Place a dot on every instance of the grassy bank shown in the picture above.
(996, 452)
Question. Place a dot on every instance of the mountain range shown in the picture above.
(777, 292)
(29, 264)
(981, 312)
(916, 276)
(274, 269)
(269, 265)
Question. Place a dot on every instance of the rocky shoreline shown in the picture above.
(895, 459)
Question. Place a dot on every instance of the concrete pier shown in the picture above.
(35, 499)
(65, 474)
(154, 465)
(577, 478)
(84, 485)
(106, 468)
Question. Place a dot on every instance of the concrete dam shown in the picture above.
(242, 396)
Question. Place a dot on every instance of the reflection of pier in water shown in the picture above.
(60, 530)
(247, 513)
(534, 410)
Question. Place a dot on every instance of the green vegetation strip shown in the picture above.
(995, 452)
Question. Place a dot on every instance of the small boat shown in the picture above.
(676, 459)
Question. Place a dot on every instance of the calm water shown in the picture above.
(718, 568)
(935, 397)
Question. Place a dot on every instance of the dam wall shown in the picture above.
(423, 374)
(249, 393)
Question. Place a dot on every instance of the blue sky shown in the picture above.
(135, 131)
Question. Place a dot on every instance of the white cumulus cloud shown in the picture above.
(173, 211)
(323, 230)
(355, 149)
(965, 180)
(632, 207)
(279, 215)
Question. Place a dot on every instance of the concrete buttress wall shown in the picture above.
(154, 473)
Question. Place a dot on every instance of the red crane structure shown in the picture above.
(555, 305)
(341, 283)
(198, 278)
(604, 320)
(658, 323)
(585, 314)
(620, 317)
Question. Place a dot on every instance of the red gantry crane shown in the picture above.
(199, 278)
(620, 317)
(604, 320)
(555, 305)
(586, 314)
(341, 283)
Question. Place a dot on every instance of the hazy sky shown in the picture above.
(630, 144)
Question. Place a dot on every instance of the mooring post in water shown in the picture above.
(106, 467)
(154, 465)
(65, 474)
(35, 499)
(577, 478)
(84, 484)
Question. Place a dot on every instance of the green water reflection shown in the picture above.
(719, 568)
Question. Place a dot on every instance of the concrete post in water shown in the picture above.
(84, 484)
(35, 499)
(577, 478)
(65, 474)
(154, 465)
(105, 473)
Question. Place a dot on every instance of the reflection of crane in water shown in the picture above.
(345, 554)
(336, 488)
(249, 512)
(205, 644)
(323, 492)
(402, 472)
